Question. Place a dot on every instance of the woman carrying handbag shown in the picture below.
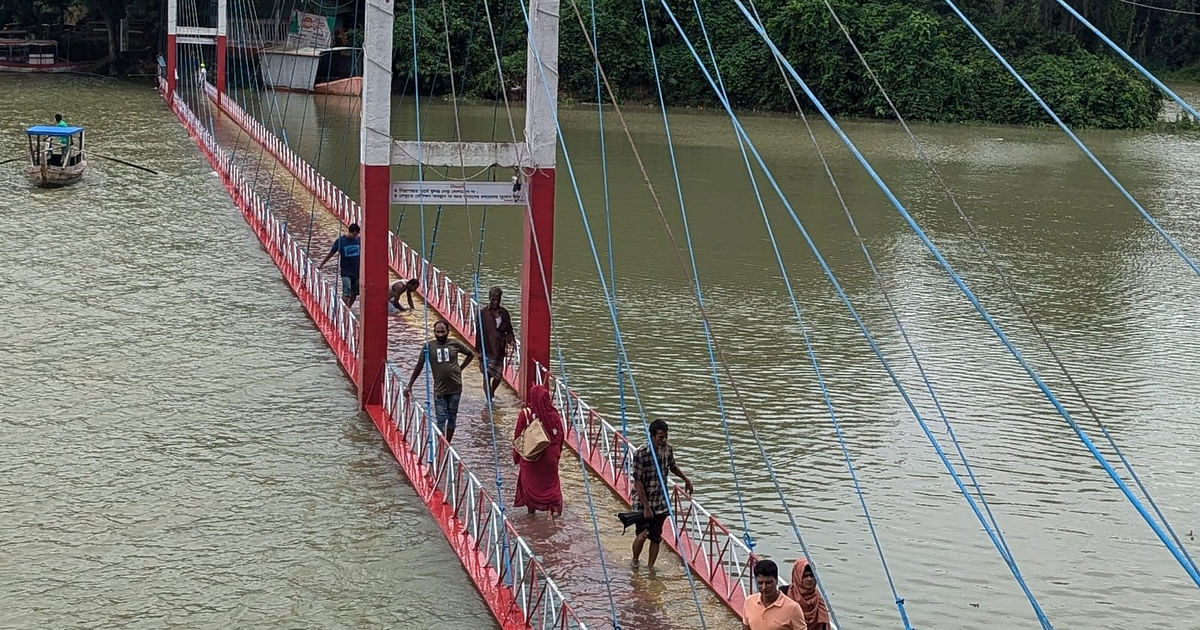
(537, 445)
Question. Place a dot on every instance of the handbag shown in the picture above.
(532, 440)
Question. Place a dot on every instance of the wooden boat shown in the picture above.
(36, 55)
(56, 155)
(350, 86)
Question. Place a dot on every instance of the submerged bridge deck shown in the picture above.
(567, 547)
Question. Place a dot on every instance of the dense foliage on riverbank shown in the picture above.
(928, 60)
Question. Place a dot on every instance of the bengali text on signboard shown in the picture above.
(457, 193)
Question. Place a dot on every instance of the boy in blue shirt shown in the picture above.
(348, 246)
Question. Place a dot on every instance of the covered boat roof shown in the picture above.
(50, 130)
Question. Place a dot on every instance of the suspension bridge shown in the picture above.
(563, 573)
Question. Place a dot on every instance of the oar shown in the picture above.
(151, 171)
(13, 160)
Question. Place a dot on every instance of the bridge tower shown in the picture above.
(196, 34)
(534, 159)
(375, 179)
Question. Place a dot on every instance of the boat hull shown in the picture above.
(350, 86)
(51, 68)
(56, 176)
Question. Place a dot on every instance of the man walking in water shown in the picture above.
(769, 609)
(493, 339)
(442, 354)
(348, 246)
(649, 496)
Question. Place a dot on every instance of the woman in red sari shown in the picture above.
(803, 590)
(537, 480)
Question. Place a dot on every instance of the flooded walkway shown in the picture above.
(567, 546)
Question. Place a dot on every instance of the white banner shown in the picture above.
(457, 193)
(310, 29)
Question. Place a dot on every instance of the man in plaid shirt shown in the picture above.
(648, 495)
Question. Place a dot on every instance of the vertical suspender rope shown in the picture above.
(312, 209)
(937, 254)
(695, 277)
(356, 65)
(595, 257)
(816, 367)
(562, 363)
(612, 274)
(426, 266)
(479, 341)
(725, 103)
(1007, 283)
(612, 311)
(587, 488)
(1082, 147)
(1011, 291)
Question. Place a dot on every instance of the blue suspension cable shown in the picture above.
(587, 487)
(787, 283)
(612, 273)
(958, 281)
(771, 474)
(1140, 68)
(487, 396)
(427, 268)
(875, 349)
(1079, 143)
(609, 301)
(695, 273)
(807, 343)
(1008, 285)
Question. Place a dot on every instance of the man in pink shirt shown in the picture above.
(768, 609)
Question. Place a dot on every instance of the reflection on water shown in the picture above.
(1106, 290)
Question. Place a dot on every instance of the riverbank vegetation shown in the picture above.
(928, 60)
(932, 65)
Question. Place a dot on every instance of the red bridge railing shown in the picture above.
(720, 558)
(514, 584)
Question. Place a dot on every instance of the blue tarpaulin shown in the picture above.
(48, 130)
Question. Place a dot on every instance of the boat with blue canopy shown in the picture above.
(56, 155)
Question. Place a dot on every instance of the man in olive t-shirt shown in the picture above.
(442, 354)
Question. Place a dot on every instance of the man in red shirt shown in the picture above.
(769, 609)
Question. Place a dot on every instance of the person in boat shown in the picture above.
(769, 608)
(56, 156)
(803, 590)
(537, 479)
(347, 246)
(494, 338)
(402, 288)
(442, 354)
(649, 496)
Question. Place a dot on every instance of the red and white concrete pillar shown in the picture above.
(222, 32)
(172, 33)
(541, 138)
(375, 137)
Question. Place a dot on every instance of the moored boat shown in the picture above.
(36, 55)
(56, 155)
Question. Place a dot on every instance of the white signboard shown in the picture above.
(310, 29)
(457, 193)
